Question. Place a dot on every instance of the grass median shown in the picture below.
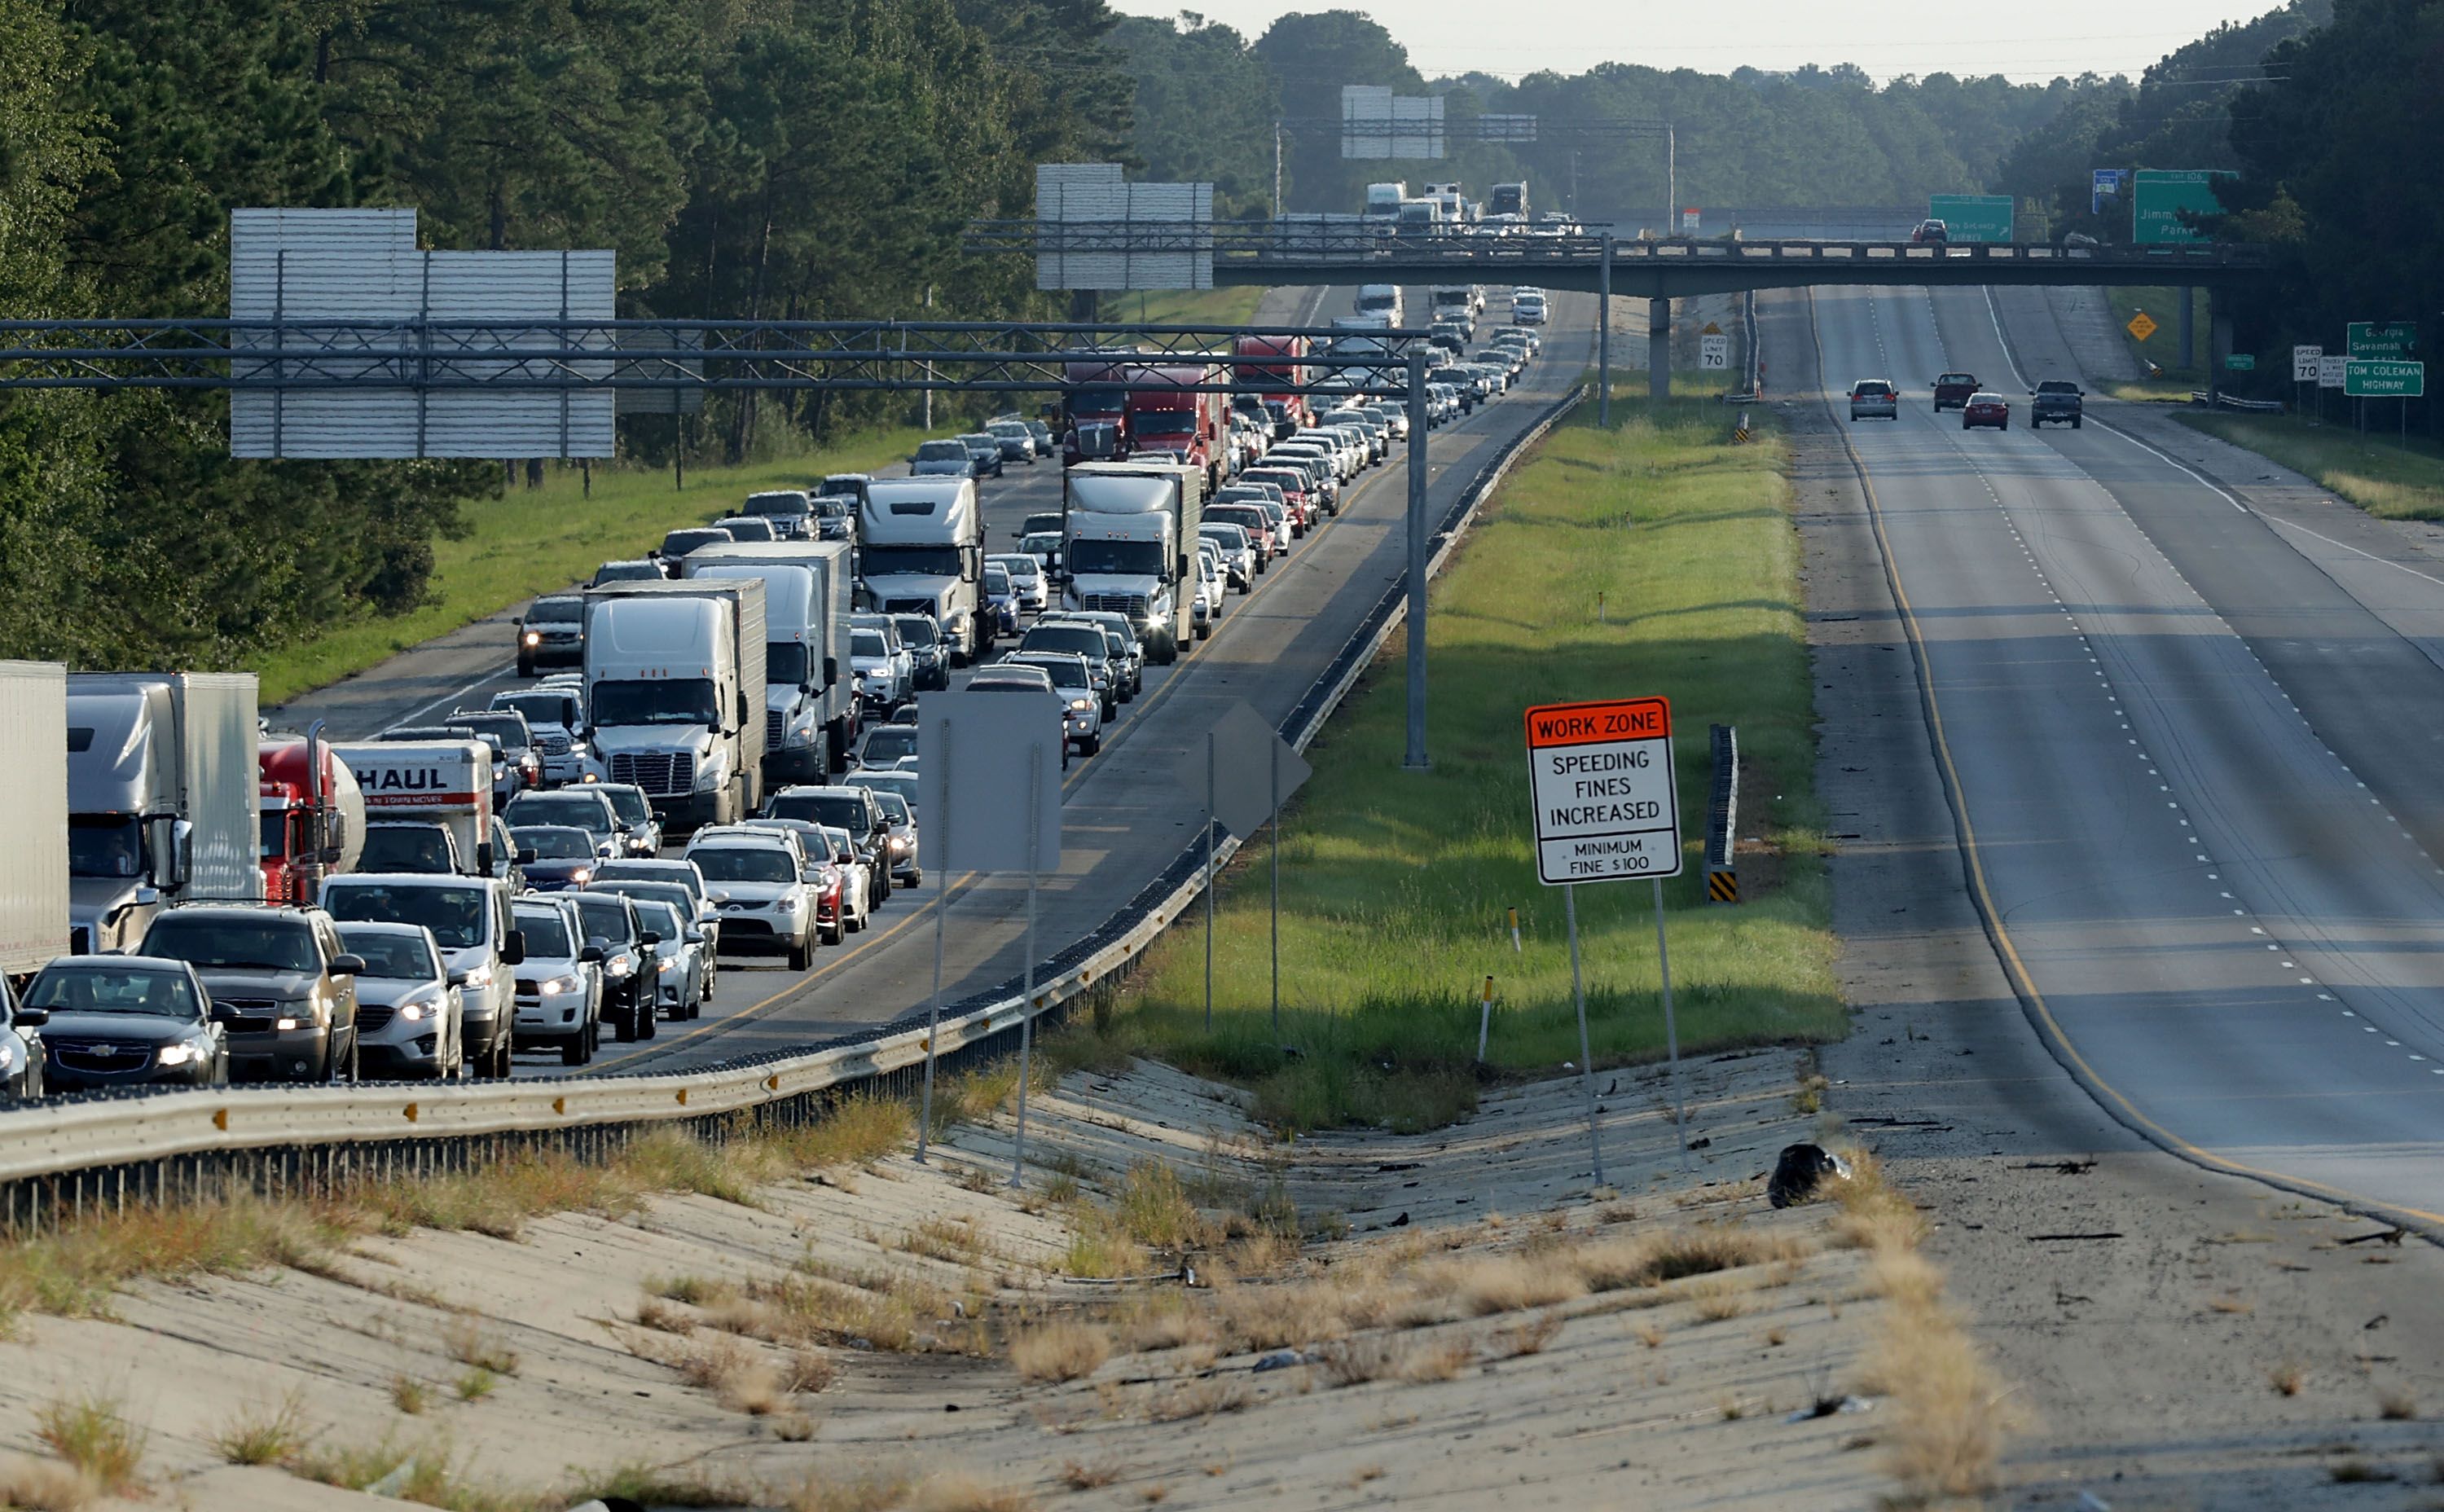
(2175, 380)
(2380, 474)
(1654, 557)
(532, 541)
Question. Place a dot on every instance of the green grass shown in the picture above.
(1187, 307)
(534, 541)
(2163, 348)
(1395, 885)
(2375, 471)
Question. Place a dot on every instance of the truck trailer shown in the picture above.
(428, 783)
(162, 799)
(811, 693)
(1129, 545)
(921, 551)
(34, 893)
(675, 691)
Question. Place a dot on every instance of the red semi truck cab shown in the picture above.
(1166, 414)
(1289, 413)
(1094, 413)
(313, 826)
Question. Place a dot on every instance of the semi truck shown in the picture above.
(1168, 412)
(427, 804)
(34, 748)
(1508, 199)
(1384, 202)
(810, 691)
(674, 689)
(313, 816)
(162, 799)
(921, 551)
(1094, 413)
(1128, 534)
(1286, 413)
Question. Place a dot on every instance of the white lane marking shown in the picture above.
(2387, 562)
(2110, 428)
(409, 718)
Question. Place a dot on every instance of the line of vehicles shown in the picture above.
(1442, 210)
(2053, 401)
(711, 754)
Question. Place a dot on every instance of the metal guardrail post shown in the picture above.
(1416, 759)
(1604, 337)
(1659, 349)
(1722, 815)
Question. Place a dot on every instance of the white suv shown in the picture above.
(756, 878)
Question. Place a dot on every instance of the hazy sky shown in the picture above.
(1885, 37)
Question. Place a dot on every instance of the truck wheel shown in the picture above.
(649, 1017)
(2074, 422)
(833, 932)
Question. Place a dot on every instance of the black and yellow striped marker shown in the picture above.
(1723, 886)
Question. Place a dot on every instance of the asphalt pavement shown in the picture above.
(2187, 759)
(1124, 817)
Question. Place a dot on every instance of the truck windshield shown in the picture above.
(233, 945)
(1098, 401)
(275, 835)
(933, 561)
(105, 845)
(787, 664)
(454, 915)
(406, 848)
(1165, 422)
(678, 701)
(1115, 558)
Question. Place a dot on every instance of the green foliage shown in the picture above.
(810, 160)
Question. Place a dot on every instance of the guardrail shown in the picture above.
(2228, 401)
(62, 1160)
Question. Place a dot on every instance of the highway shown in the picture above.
(1124, 817)
(2190, 750)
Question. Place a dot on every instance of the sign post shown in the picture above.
(1606, 810)
(1713, 347)
(1245, 770)
(2331, 370)
(2303, 369)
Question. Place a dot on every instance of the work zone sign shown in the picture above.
(1600, 775)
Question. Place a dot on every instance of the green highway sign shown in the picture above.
(2157, 195)
(2371, 379)
(1972, 218)
(2397, 339)
(2240, 361)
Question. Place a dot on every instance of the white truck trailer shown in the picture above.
(1128, 544)
(34, 752)
(921, 551)
(675, 691)
(447, 782)
(810, 690)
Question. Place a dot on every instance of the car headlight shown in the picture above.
(479, 978)
(1082, 703)
(177, 1054)
(283, 1025)
(533, 638)
(670, 964)
(553, 986)
(581, 877)
(787, 905)
(618, 965)
(414, 1012)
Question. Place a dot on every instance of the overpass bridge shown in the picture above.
(1343, 250)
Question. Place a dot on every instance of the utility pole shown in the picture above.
(1277, 168)
(1415, 761)
(1671, 178)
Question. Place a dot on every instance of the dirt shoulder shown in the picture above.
(2151, 1355)
(1442, 1320)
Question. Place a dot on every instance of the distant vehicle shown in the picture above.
(888, 744)
(851, 809)
(469, 919)
(553, 632)
(760, 886)
(629, 975)
(1931, 232)
(680, 542)
(1001, 598)
(640, 829)
(313, 816)
(1085, 640)
(634, 570)
(905, 872)
(1017, 441)
(2055, 400)
(746, 527)
(556, 717)
(838, 498)
(118, 1021)
(926, 652)
(788, 511)
(1381, 300)
(1985, 409)
(879, 677)
(1953, 390)
(681, 957)
(559, 985)
(163, 798)
(1876, 397)
(410, 1017)
(1044, 546)
(1384, 201)
(564, 855)
(508, 730)
(1082, 717)
(987, 450)
(283, 986)
(1507, 199)
(1530, 311)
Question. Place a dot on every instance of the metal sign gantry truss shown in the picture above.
(674, 356)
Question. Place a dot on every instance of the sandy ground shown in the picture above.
(2148, 1346)
(1670, 1395)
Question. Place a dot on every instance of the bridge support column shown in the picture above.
(2219, 339)
(1604, 337)
(2189, 341)
(1659, 349)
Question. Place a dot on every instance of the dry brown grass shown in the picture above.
(43, 1485)
(1507, 1283)
(2396, 1404)
(958, 1492)
(1648, 1331)
(1873, 1215)
(1059, 1350)
(1080, 1476)
(1529, 1337)
(1162, 1320)
(1201, 1399)
(1652, 1260)
(2286, 1377)
(409, 1396)
(807, 1371)
(261, 1435)
(864, 1494)
(466, 1342)
(93, 1434)
(1437, 1360)
(2235, 1305)
(662, 1316)
(1718, 1298)
(894, 1314)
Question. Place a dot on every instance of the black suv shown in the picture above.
(282, 983)
(2055, 400)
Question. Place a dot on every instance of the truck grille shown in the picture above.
(662, 774)
(909, 606)
(371, 1019)
(250, 1015)
(552, 745)
(1131, 604)
(771, 733)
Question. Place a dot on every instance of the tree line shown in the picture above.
(795, 159)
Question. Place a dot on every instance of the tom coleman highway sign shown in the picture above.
(1601, 777)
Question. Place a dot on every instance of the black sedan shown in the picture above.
(116, 1021)
(564, 855)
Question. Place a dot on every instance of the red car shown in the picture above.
(1985, 409)
(1951, 390)
(1931, 232)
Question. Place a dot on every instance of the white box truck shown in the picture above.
(34, 752)
(675, 691)
(921, 551)
(413, 788)
(163, 799)
(1128, 544)
(810, 690)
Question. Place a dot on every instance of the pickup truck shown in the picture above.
(1951, 391)
(2055, 400)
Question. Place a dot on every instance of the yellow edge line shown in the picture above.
(2023, 982)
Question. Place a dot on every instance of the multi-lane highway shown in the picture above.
(1124, 817)
(2191, 747)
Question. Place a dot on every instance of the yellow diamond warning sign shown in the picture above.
(2142, 325)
